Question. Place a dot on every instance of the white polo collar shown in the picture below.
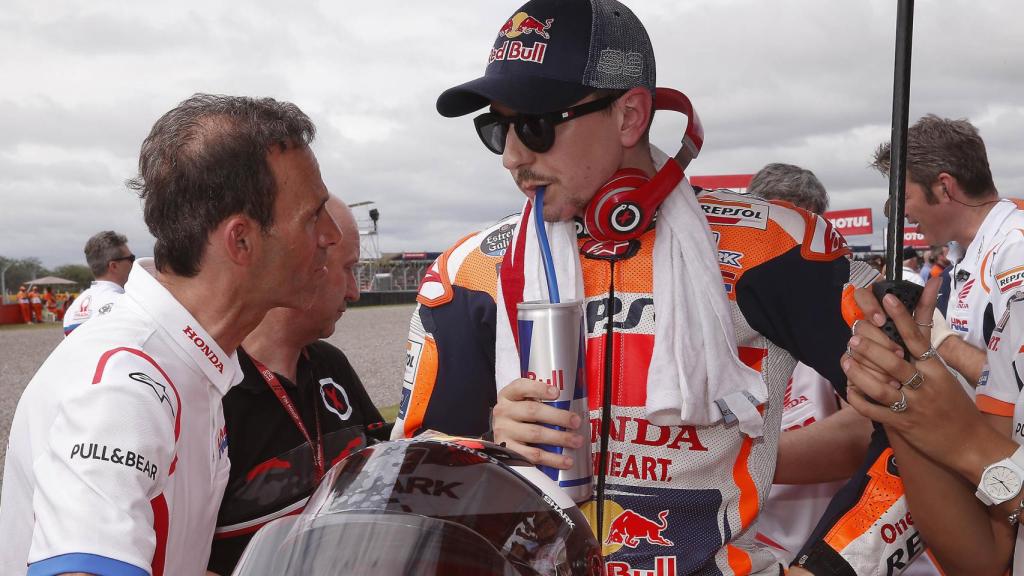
(181, 327)
(108, 285)
(986, 232)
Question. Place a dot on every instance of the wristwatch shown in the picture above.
(1002, 480)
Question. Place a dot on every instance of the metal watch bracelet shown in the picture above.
(1014, 516)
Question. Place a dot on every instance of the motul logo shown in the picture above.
(851, 222)
(854, 222)
(204, 348)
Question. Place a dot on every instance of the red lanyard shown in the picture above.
(289, 407)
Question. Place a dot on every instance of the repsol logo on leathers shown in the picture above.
(636, 310)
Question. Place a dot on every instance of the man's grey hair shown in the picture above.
(101, 249)
(793, 184)
(206, 160)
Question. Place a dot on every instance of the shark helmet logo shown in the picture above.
(335, 398)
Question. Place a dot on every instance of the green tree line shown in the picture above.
(24, 270)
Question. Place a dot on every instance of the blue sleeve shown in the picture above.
(87, 563)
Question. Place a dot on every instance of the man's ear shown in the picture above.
(239, 236)
(949, 185)
(636, 107)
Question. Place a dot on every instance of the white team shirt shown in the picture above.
(911, 275)
(117, 458)
(976, 281)
(96, 300)
(999, 275)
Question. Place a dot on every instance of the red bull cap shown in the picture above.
(551, 53)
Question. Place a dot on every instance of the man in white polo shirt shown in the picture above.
(110, 260)
(117, 457)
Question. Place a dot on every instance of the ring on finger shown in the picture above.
(928, 354)
(925, 324)
(900, 405)
(853, 327)
(914, 382)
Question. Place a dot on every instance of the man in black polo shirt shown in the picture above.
(299, 409)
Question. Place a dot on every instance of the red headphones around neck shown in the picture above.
(624, 207)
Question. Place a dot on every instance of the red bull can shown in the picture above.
(551, 349)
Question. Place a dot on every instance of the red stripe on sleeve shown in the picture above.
(160, 524)
(102, 364)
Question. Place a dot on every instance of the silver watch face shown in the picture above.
(1001, 483)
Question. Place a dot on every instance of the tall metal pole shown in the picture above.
(898, 142)
(3, 283)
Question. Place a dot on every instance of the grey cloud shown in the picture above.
(115, 126)
(799, 81)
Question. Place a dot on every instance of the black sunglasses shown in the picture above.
(536, 131)
(130, 258)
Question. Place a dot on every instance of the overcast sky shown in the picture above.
(807, 82)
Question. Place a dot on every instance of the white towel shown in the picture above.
(695, 376)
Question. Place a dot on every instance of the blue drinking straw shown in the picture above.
(545, 248)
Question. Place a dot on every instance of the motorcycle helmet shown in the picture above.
(433, 504)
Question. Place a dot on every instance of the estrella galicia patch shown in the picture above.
(335, 398)
(158, 388)
(609, 249)
(495, 243)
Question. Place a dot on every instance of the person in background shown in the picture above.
(36, 303)
(50, 301)
(912, 266)
(62, 304)
(110, 261)
(796, 185)
(811, 414)
(878, 263)
(951, 196)
(277, 462)
(941, 262)
(926, 265)
(24, 305)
